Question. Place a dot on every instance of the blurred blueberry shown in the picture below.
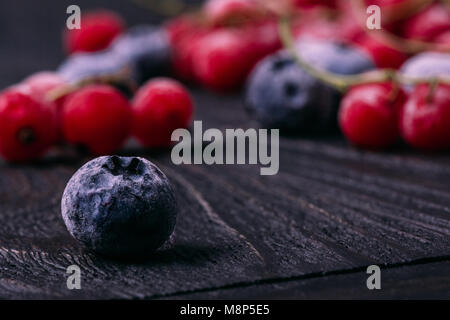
(335, 57)
(282, 95)
(147, 49)
(80, 66)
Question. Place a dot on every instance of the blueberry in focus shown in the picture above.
(146, 49)
(282, 95)
(120, 207)
(104, 65)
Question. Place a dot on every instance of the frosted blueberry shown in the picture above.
(121, 207)
(147, 49)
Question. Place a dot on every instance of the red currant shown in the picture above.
(98, 30)
(384, 55)
(42, 83)
(159, 107)
(98, 117)
(368, 115)
(425, 119)
(233, 12)
(443, 39)
(223, 59)
(184, 32)
(27, 128)
(428, 24)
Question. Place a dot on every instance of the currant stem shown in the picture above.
(341, 82)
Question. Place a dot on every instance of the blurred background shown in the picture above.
(31, 32)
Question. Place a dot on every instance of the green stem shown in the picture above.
(341, 82)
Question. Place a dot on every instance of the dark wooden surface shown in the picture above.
(308, 232)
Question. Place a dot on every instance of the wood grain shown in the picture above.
(330, 209)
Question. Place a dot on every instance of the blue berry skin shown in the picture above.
(280, 94)
(146, 49)
(81, 66)
(426, 65)
(283, 96)
(335, 57)
(120, 207)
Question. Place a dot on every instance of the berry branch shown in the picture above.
(340, 82)
(410, 46)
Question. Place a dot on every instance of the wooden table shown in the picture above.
(308, 232)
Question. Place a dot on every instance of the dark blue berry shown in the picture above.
(280, 94)
(335, 57)
(120, 207)
(147, 49)
(81, 66)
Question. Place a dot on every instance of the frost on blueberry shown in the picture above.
(282, 95)
(121, 207)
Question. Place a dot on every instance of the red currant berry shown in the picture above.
(159, 107)
(444, 40)
(425, 119)
(223, 59)
(98, 30)
(394, 10)
(42, 83)
(184, 32)
(384, 55)
(27, 127)
(368, 115)
(98, 117)
(428, 24)
(233, 12)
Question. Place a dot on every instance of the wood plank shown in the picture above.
(423, 281)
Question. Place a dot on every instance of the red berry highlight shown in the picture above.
(384, 55)
(159, 107)
(223, 59)
(98, 117)
(428, 24)
(27, 128)
(233, 12)
(98, 30)
(425, 119)
(368, 115)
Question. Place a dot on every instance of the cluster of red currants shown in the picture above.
(376, 115)
(97, 116)
(220, 45)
